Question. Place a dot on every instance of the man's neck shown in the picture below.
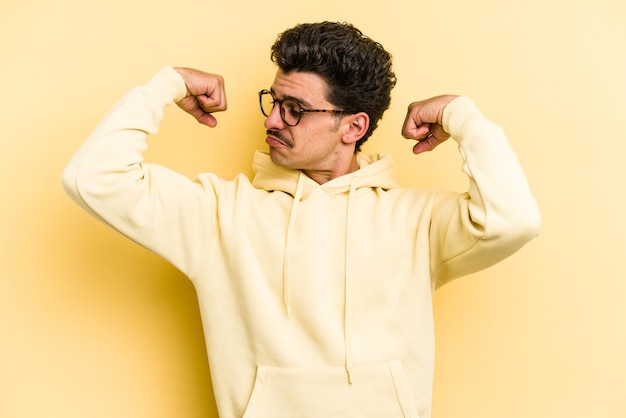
(323, 176)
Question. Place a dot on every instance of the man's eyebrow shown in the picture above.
(295, 99)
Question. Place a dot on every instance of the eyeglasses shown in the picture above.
(290, 110)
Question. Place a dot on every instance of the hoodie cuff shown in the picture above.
(458, 115)
(165, 87)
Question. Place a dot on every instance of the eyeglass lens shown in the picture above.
(289, 109)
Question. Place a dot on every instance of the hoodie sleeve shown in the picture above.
(150, 204)
(497, 215)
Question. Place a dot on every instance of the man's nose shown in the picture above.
(274, 120)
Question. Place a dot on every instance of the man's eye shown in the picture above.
(292, 108)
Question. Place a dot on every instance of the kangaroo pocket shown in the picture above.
(376, 391)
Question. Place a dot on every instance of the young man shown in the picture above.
(315, 279)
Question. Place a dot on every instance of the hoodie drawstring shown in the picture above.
(348, 267)
(348, 282)
(292, 222)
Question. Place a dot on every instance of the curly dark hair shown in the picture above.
(357, 69)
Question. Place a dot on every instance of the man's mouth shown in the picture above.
(277, 136)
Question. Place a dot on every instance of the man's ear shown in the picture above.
(357, 125)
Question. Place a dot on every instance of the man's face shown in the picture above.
(314, 145)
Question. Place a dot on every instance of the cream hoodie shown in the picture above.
(315, 299)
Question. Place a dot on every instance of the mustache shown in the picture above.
(280, 136)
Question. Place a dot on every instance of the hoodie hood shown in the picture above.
(375, 171)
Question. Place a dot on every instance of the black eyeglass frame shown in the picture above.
(281, 109)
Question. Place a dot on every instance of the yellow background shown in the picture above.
(92, 325)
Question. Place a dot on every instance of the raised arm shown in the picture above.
(498, 214)
(156, 207)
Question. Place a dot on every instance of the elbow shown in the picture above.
(69, 181)
(74, 184)
(522, 228)
(530, 224)
(75, 180)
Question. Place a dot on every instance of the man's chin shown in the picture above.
(279, 158)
